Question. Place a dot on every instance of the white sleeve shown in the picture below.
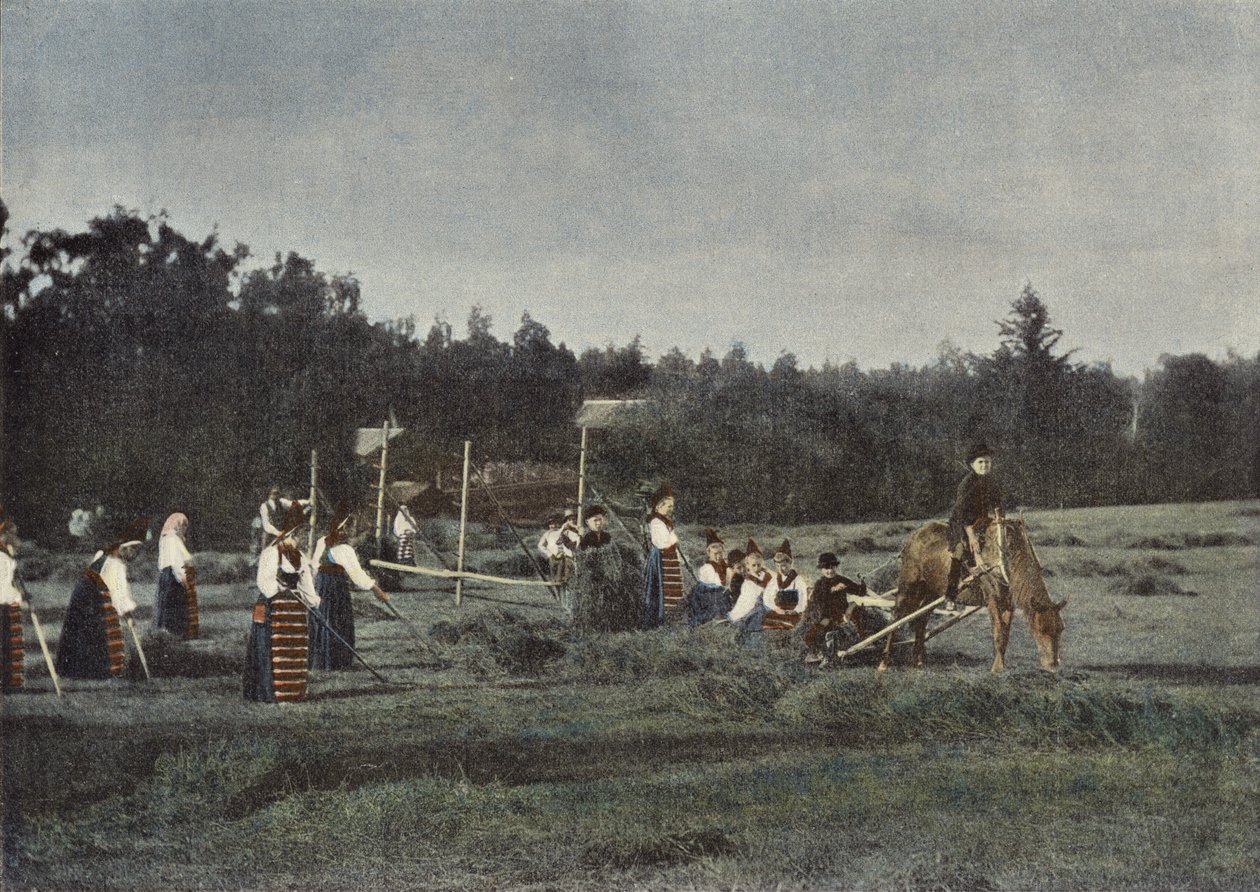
(771, 589)
(347, 558)
(306, 586)
(317, 556)
(268, 565)
(266, 524)
(542, 545)
(662, 536)
(747, 602)
(708, 575)
(8, 591)
(114, 572)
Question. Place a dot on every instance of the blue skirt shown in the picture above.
(275, 651)
(653, 590)
(91, 642)
(170, 610)
(707, 602)
(337, 611)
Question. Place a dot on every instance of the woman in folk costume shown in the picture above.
(10, 612)
(787, 593)
(91, 644)
(709, 597)
(662, 574)
(339, 568)
(275, 651)
(405, 529)
(175, 608)
(750, 606)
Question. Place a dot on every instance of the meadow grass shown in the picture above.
(513, 753)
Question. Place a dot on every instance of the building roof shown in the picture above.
(367, 440)
(602, 414)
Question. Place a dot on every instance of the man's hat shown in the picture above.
(662, 493)
(596, 511)
(734, 556)
(752, 548)
(570, 512)
(294, 517)
(978, 451)
(711, 537)
(785, 548)
(828, 559)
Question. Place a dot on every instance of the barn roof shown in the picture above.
(601, 414)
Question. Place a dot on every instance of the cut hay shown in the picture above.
(1148, 583)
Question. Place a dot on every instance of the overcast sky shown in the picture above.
(845, 181)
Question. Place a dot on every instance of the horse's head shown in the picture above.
(1046, 626)
(1021, 571)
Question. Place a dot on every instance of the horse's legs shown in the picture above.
(920, 641)
(1001, 617)
(888, 650)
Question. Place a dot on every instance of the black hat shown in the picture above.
(596, 511)
(978, 451)
(828, 559)
(734, 556)
(785, 548)
(711, 537)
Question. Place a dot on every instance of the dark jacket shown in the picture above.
(977, 496)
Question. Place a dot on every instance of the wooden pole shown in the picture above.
(454, 574)
(380, 488)
(892, 627)
(310, 538)
(581, 480)
(463, 524)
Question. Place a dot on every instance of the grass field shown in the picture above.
(510, 755)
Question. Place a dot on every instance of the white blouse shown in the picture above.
(270, 563)
(344, 556)
(173, 553)
(749, 594)
(662, 536)
(796, 585)
(708, 575)
(114, 572)
(9, 594)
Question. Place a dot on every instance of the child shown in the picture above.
(786, 594)
(710, 598)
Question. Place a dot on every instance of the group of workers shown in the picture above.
(303, 619)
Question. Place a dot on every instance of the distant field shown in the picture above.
(509, 755)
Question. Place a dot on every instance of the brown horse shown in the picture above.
(1012, 580)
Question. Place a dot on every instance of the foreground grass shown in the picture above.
(845, 780)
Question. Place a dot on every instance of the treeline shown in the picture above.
(150, 372)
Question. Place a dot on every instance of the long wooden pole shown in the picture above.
(891, 627)
(463, 524)
(455, 574)
(380, 488)
(485, 485)
(310, 537)
(581, 481)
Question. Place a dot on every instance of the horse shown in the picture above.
(1011, 578)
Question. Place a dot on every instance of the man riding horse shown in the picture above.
(975, 504)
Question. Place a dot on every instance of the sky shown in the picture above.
(842, 181)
